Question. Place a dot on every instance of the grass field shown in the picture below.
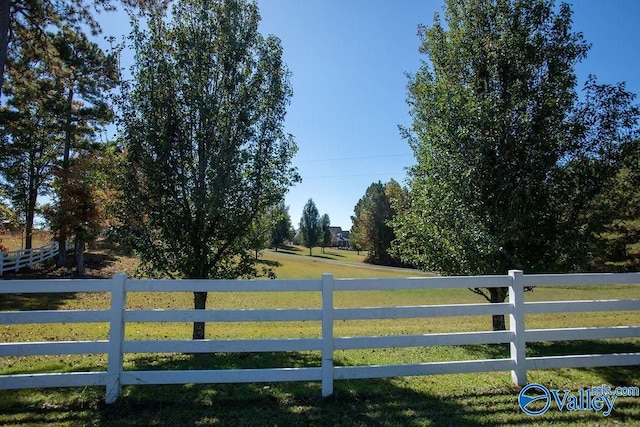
(464, 399)
(14, 241)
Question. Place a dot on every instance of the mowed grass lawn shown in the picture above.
(461, 399)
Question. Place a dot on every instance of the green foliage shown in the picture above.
(496, 129)
(203, 129)
(58, 100)
(85, 75)
(30, 134)
(23, 23)
(259, 233)
(281, 228)
(619, 242)
(310, 231)
(88, 193)
(325, 231)
(594, 186)
(371, 228)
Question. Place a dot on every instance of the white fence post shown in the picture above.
(116, 337)
(516, 325)
(327, 335)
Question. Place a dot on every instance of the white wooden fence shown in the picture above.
(118, 315)
(15, 260)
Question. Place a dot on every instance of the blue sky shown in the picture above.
(348, 60)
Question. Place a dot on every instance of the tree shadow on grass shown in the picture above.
(335, 254)
(374, 402)
(616, 376)
(96, 264)
(289, 249)
(363, 402)
(26, 302)
(558, 348)
(270, 263)
(354, 402)
(49, 301)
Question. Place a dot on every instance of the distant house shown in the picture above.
(339, 238)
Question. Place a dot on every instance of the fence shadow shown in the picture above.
(558, 348)
(363, 402)
(374, 402)
(94, 264)
(25, 302)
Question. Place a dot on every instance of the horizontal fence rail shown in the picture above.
(117, 316)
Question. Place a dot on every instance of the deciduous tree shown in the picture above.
(495, 117)
(259, 233)
(282, 229)
(310, 225)
(88, 192)
(371, 229)
(203, 127)
(325, 231)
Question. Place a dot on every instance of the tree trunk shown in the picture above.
(29, 218)
(80, 247)
(62, 240)
(199, 303)
(28, 231)
(499, 323)
(5, 24)
(310, 252)
(62, 252)
(498, 295)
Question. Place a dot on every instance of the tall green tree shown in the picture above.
(495, 117)
(24, 23)
(85, 75)
(617, 211)
(586, 185)
(29, 135)
(259, 233)
(371, 229)
(203, 127)
(282, 229)
(310, 225)
(325, 231)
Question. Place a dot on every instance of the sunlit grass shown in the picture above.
(460, 399)
(14, 241)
